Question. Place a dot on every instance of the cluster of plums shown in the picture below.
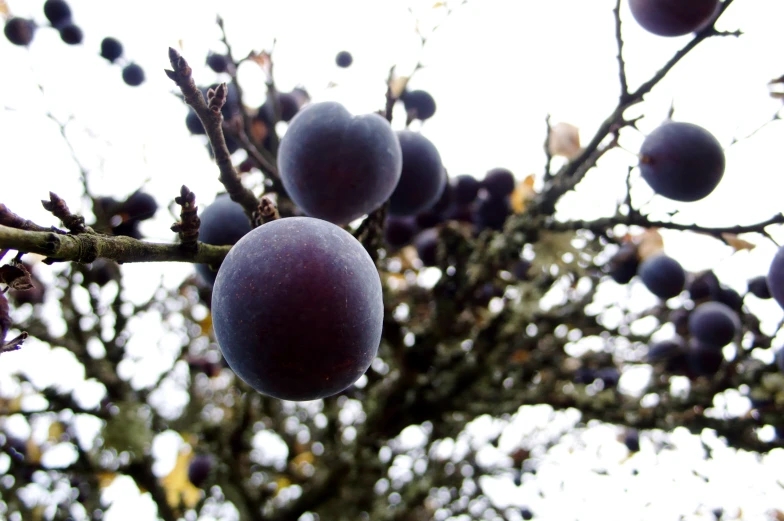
(20, 31)
(124, 217)
(703, 331)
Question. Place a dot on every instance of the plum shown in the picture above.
(714, 323)
(673, 17)
(682, 161)
(662, 275)
(223, 223)
(423, 177)
(297, 309)
(337, 167)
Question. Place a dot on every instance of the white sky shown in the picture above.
(496, 68)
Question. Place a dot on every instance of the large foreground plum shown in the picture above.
(223, 223)
(338, 167)
(423, 178)
(682, 161)
(672, 17)
(297, 309)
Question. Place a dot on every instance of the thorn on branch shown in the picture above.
(188, 225)
(57, 206)
(268, 211)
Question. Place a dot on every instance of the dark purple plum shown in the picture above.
(526, 514)
(218, 62)
(200, 468)
(297, 309)
(223, 223)
(499, 182)
(703, 359)
(623, 265)
(337, 167)
(730, 298)
(428, 219)
(780, 360)
(289, 106)
(344, 59)
(491, 212)
(672, 353)
(58, 12)
(465, 188)
(111, 48)
(139, 206)
(193, 123)
(426, 244)
(584, 376)
(632, 440)
(423, 177)
(662, 275)
(133, 75)
(399, 231)
(419, 104)
(672, 17)
(776, 277)
(71, 34)
(704, 286)
(758, 286)
(714, 323)
(682, 161)
(19, 31)
(680, 319)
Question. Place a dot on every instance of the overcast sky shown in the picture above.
(496, 69)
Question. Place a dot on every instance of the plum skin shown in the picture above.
(337, 167)
(714, 323)
(423, 178)
(663, 276)
(672, 17)
(682, 161)
(297, 309)
(776, 277)
(223, 223)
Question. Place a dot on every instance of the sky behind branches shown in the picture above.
(497, 68)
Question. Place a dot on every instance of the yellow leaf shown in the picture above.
(564, 140)
(33, 451)
(397, 85)
(179, 489)
(4, 8)
(206, 324)
(55, 431)
(523, 193)
(439, 4)
(305, 457)
(650, 242)
(736, 243)
(282, 482)
(105, 479)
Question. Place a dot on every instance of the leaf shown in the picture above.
(105, 479)
(206, 324)
(736, 243)
(397, 85)
(179, 489)
(281, 482)
(4, 8)
(564, 141)
(55, 431)
(439, 4)
(650, 242)
(522, 194)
